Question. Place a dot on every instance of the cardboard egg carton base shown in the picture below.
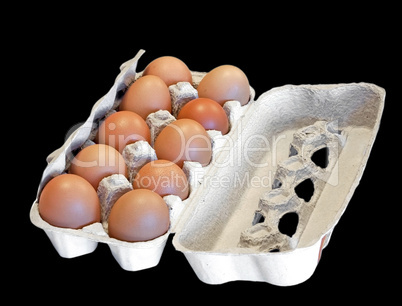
(229, 228)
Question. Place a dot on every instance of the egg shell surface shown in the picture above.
(208, 113)
(225, 83)
(123, 128)
(69, 201)
(138, 215)
(97, 161)
(146, 95)
(184, 140)
(164, 177)
(170, 69)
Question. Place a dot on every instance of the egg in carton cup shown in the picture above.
(265, 206)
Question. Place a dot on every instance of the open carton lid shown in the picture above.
(343, 117)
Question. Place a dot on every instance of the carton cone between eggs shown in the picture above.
(267, 203)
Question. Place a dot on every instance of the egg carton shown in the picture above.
(230, 226)
(70, 243)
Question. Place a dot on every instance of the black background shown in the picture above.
(68, 58)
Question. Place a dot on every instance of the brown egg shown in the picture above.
(146, 95)
(208, 113)
(170, 69)
(69, 201)
(164, 177)
(184, 139)
(225, 83)
(138, 215)
(121, 129)
(96, 162)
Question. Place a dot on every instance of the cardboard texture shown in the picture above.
(234, 225)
